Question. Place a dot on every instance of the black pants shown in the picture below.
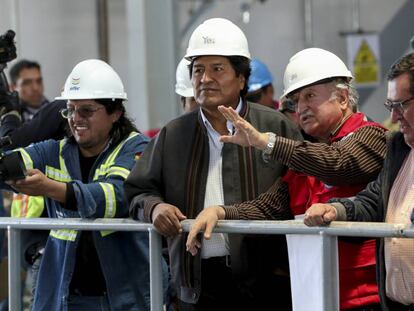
(375, 307)
(220, 291)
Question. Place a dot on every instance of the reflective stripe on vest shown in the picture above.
(61, 174)
(64, 234)
(26, 158)
(104, 169)
(110, 203)
(23, 205)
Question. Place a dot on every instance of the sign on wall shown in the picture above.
(364, 59)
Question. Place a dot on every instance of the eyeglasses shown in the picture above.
(84, 112)
(399, 106)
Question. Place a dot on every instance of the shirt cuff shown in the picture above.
(70, 198)
(231, 212)
(340, 211)
(149, 208)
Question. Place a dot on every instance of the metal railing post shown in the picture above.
(15, 296)
(155, 270)
(330, 274)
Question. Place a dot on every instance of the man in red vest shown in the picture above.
(390, 198)
(343, 152)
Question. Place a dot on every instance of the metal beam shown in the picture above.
(103, 33)
(204, 6)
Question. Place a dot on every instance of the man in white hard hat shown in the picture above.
(186, 169)
(183, 86)
(82, 177)
(389, 199)
(347, 152)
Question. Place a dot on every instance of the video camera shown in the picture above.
(11, 165)
(8, 100)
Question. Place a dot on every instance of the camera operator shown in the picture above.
(28, 120)
(47, 123)
(26, 78)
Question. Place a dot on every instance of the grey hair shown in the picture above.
(353, 96)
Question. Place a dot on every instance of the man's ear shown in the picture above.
(242, 81)
(343, 98)
(12, 87)
(116, 115)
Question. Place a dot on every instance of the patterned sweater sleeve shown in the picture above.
(357, 158)
(270, 205)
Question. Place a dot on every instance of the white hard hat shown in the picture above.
(183, 86)
(312, 65)
(217, 36)
(93, 79)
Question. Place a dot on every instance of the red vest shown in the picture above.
(357, 280)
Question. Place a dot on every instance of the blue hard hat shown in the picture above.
(259, 77)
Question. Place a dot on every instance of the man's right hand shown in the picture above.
(320, 214)
(205, 221)
(245, 135)
(166, 219)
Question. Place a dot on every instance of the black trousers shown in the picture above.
(220, 291)
(375, 307)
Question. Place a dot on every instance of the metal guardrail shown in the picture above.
(15, 225)
(328, 234)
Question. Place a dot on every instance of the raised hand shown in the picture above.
(246, 135)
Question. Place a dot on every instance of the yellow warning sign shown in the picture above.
(365, 65)
(364, 59)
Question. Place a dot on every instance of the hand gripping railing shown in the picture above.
(327, 234)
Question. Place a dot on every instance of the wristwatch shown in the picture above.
(267, 151)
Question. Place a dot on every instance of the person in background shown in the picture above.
(260, 85)
(390, 197)
(288, 108)
(183, 86)
(346, 152)
(186, 169)
(26, 78)
(184, 89)
(20, 124)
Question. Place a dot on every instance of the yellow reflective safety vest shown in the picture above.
(59, 161)
(26, 206)
(122, 255)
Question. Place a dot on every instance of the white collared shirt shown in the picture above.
(399, 252)
(218, 245)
